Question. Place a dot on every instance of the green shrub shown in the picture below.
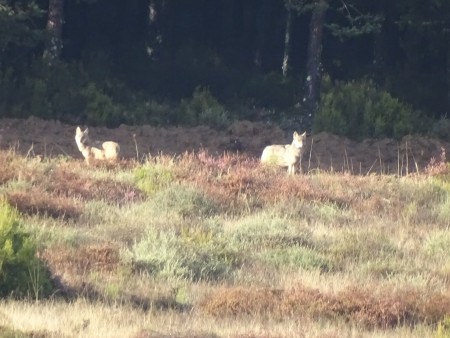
(186, 201)
(204, 109)
(153, 177)
(359, 109)
(21, 272)
(100, 108)
(144, 111)
(190, 254)
(441, 129)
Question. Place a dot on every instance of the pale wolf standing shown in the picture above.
(286, 155)
(110, 150)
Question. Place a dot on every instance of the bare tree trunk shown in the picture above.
(287, 42)
(55, 23)
(314, 62)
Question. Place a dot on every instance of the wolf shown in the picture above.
(110, 150)
(286, 155)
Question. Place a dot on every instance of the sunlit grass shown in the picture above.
(204, 246)
(82, 318)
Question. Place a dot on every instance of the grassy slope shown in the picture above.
(220, 247)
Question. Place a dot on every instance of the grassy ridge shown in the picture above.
(221, 247)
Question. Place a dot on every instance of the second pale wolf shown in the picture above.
(285, 155)
(109, 150)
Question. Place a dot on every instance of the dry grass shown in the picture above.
(6, 171)
(76, 261)
(68, 179)
(361, 306)
(241, 183)
(74, 184)
(82, 318)
(34, 202)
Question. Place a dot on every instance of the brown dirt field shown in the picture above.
(36, 137)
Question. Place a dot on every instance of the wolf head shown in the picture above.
(82, 137)
(298, 139)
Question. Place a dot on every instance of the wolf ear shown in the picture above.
(295, 134)
(304, 134)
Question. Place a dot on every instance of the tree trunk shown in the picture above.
(379, 41)
(154, 38)
(314, 62)
(287, 42)
(55, 22)
(262, 20)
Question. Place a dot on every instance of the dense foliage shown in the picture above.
(21, 272)
(359, 109)
(206, 62)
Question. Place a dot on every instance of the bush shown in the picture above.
(62, 91)
(21, 272)
(46, 92)
(153, 177)
(191, 254)
(144, 111)
(359, 109)
(100, 108)
(186, 201)
(204, 109)
(441, 128)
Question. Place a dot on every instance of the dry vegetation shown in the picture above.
(203, 246)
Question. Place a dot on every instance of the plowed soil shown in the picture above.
(36, 137)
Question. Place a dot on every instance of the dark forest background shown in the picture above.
(359, 68)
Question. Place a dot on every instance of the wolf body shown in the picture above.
(109, 150)
(285, 155)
